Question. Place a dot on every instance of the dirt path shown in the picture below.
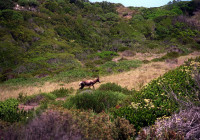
(135, 78)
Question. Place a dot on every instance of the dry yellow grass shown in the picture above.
(135, 78)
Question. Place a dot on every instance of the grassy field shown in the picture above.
(135, 78)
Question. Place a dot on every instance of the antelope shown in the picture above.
(89, 83)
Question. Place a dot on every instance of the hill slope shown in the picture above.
(45, 38)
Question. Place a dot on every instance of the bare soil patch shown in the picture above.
(135, 78)
(125, 12)
(28, 107)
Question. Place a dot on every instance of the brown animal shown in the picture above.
(88, 83)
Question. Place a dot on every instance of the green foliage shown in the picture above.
(11, 18)
(155, 100)
(153, 13)
(9, 111)
(6, 4)
(115, 88)
(51, 5)
(114, 67)
(97, 100)
(62, 92)
(105, 54)
(10, 54)
(111, 17)
(28, 3)
(65, 34)
(140, 117)
(63, 31)
(71, 75)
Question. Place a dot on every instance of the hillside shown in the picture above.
(44, 38)
(147, 59)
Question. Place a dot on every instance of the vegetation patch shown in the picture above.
(161, 97)
(115, 88)
(97, 101)
(10, 112)
(116, 67)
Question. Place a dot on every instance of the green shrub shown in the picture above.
(12, 18)
(155, 100)
(10, 112)
(115, 67)
(6, 4)
(51, 5)
(140, 117)
(33, 3)
(23, 2)
(97, 100)
(62, 92)
(106, 54)
(64, 32)
(114, 87)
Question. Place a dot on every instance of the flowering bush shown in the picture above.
(183, 125)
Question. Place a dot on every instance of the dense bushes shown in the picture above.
(161, 97)
(115, 88)
(6, 4)
(71, 125)
(10, 18)
(98, 100)
(182, 125)
(9, 111)
(28, 2)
